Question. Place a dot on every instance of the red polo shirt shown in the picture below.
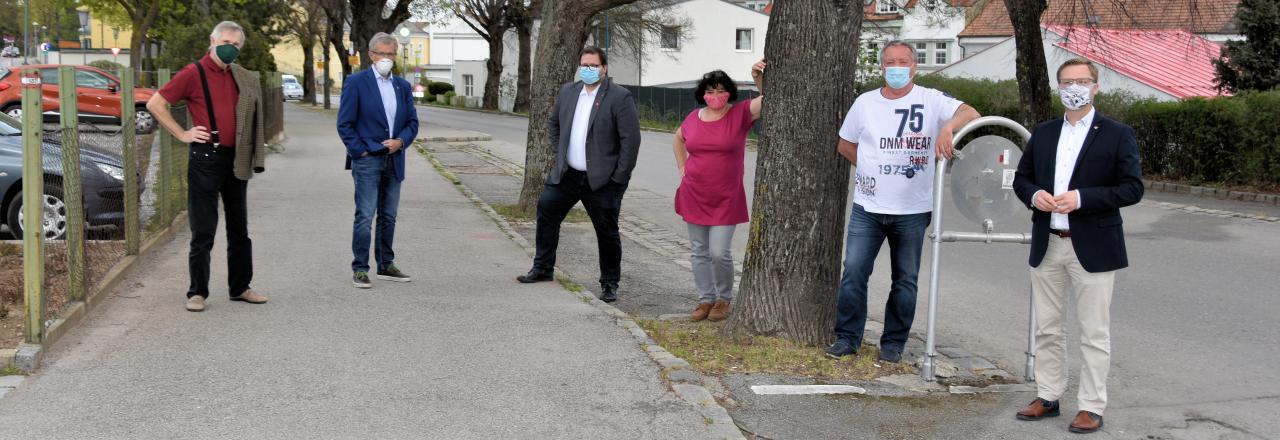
(185, 86)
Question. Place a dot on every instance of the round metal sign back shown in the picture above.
(982, 182)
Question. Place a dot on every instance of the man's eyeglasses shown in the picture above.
(1074, 82)
(383, 54)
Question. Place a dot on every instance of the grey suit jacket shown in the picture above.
(613, 134)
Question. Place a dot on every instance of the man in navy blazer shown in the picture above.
(377, 121)
(1075, 174)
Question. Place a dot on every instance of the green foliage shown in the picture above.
(108, 65)
(1231, 140)
(186, 32)
(438, 88)
(1254, 62)
(448, 97)
(430, 98)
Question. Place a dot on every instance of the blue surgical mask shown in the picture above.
(589, 75)
(897, 77)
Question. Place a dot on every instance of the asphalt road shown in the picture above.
(1194, 334)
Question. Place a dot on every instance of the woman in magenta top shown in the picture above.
(710, 149)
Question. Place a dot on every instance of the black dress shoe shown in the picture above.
(609, 293)
(534, 276)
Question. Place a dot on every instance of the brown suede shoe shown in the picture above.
(719, 312)
(1085, 423)
(701, 312)
(250, 297)
(195, 304)
(1039, 409)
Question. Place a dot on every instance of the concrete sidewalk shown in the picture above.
(462, 352)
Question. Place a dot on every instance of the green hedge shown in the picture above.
(1233, 140)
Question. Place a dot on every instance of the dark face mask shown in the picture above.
(227, 53)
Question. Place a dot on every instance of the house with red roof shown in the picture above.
(1164, 64)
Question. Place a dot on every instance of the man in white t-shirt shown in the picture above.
(892, 136)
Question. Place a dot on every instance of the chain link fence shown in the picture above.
(111, 179)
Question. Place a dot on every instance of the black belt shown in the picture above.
(207, 149)
(1060, 233)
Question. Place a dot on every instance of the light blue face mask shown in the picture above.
(897, 77)
(589, 75)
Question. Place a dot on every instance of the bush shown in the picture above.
(439, 88)
(109, 66)
(430, 98)
(448, 97)
(1231, 140)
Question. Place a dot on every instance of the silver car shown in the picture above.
(292, 88)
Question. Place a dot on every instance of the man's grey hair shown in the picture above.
(897, 43)
(227, 26)
(381, 38)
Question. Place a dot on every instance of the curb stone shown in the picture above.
(675, 371)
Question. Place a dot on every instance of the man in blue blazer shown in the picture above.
(1075, 174)
(377, 121)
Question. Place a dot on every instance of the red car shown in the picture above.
(97, 93)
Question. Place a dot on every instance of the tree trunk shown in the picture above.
(524, 34)
(565, 27)
(792, 266)
(493, 67)
(1032, 71)
(309, 71)
(328, 85)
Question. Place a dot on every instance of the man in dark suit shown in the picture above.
(596, 131)
(376, 121)
(1076, 174)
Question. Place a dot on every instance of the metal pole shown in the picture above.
(71, 188)
(33, 210)
(26, 32)
(129, 146)
(930, 351)
(1030, 373)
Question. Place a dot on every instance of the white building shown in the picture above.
(931, 26)
(723, 35)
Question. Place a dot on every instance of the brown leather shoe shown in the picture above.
(1085, 423)
(719, 312)
(250, 297)
(1039, 409)
(701, 312)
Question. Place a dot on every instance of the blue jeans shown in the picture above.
(377, 192)
(867, 231)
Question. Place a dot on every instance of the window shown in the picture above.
(670, 38)
(49, 77)
(940, 54)
(93, 80)
(873, 51)
(468, 85)
(744, 37)
(922, 53)
(886, 7)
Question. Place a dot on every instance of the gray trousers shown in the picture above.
(712, 261)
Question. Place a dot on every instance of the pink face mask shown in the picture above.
(716, 101)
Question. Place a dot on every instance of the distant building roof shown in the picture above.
(1198, 16)
(1176, 62)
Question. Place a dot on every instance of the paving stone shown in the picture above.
(673, 363)
(684, 376)
(954, 352)
(912, 382)
(11, 381)
(973, 364)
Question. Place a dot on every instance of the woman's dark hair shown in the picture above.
(711, 80)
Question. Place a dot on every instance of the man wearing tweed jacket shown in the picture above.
(227, 142)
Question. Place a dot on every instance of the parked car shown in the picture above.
(97, 96)
(10, 52)
(101, 176)
(292, 88)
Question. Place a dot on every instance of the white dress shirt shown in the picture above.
(581, 124)
(387, 89)
(1070, 142)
